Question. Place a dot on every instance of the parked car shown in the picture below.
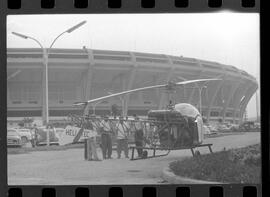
(13, 138)
(233, 127)
(206, 130)
(249, 126)
(212, 128)
(223, 128)
(257, 125)
(25, 134)
(42, 137)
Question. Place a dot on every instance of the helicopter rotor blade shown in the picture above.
(139, 89)
(124, 93)
(195, 81)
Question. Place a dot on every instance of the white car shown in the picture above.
(13, 138)
(212, 128)
(233, 127)
(25, 134)
(223, 128)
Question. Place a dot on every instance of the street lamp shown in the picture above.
(200, 97)
(123, 105)
(94, 106)
(46, 56)
(200, 88)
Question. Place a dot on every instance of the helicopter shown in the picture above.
(178, 126)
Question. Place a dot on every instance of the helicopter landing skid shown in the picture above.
(149, 148)
(200, 145)
(167, 151)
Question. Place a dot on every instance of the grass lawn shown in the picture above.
(241, 165)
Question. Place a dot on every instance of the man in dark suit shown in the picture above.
(138, 137)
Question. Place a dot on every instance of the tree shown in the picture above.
(26, 122)
(114, 110)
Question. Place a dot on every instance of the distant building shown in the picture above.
(83, 74)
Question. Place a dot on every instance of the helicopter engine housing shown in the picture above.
(184, 125)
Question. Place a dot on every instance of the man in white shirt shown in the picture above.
(122, 138)
(106, 139)
(91, 145)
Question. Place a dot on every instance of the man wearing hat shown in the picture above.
(122, 138)
(106, 139)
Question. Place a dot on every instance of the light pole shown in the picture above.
(257, 106)
(200, 97)
(94, 107)
(46, 56)
(123, 105)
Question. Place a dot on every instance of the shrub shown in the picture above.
(249, 155)
(233, 166)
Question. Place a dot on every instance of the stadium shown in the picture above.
(82, 74)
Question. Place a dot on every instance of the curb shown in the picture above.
(170, 177)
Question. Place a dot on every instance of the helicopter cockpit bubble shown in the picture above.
(189, 110)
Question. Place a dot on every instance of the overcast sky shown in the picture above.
(228, 38)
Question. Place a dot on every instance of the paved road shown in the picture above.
(68, 166)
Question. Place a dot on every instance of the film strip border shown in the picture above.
(130, 6)
(137, 191)
(81, 6)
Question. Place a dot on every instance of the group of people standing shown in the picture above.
(120, 130)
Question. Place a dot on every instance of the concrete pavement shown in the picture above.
(69, 167)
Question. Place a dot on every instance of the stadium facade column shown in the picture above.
(233, 92)
(156, 81)
(89, 79)
(196, 85)
(124, 81)
(162, 98)
(213, 97)
(238, 98)
(228, 100)
(170, 77)
(130, 81)
(45, 84)
(249, 94)
(184, 91)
